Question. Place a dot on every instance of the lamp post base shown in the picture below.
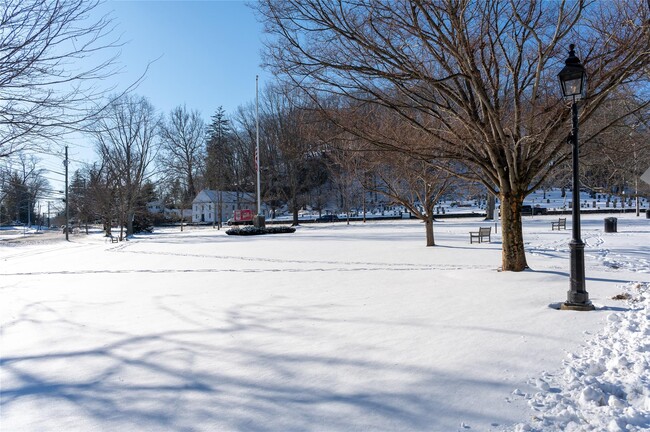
(578, 306)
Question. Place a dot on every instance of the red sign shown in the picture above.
(243, 215)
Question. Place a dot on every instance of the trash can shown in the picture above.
(610, 224)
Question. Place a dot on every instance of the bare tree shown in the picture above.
(298, 167)
(22, 185)
(102, 192)
(614, 162)
(478, 76)
(414, 183)
(126, 142)
(182, 138)
(52, 57)
(290, 161)
(345, 168)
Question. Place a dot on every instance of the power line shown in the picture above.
(54, 172)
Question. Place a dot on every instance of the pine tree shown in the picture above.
(220, 157)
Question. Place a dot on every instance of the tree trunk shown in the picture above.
(129, 223)
(489, 206)
(512, 252)
(295, 216)
(428, 224)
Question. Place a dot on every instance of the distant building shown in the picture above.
(212, 206)
(158, 207)
(176, 214)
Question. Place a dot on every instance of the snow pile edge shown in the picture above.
(606, 387)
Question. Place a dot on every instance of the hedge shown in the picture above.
(251, 230)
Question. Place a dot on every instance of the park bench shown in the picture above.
(481, 235)
(559, 224)
(113, 238)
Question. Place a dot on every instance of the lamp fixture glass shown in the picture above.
(573, 77)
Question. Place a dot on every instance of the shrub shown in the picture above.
(251, 230)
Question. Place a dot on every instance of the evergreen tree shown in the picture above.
(220, 155)
(143, 219)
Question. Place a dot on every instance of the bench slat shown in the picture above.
(559, 224)
(482, 234)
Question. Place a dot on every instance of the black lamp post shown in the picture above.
(573, 80)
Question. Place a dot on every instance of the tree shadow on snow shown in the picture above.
(262, 367)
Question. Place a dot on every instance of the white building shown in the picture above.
(211, 206)
(158, 207)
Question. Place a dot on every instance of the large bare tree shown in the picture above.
(182, 156)
(53, 56)
(126, 142)
(479, 77)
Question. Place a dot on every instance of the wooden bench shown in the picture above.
(481, 235)
(559, 224)
(113, 238)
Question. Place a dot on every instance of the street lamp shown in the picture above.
(573, 79)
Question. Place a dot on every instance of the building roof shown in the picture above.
(213, 196)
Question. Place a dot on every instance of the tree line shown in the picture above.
(307, 160)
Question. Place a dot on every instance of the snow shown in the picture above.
(606, 386)
(334, 327)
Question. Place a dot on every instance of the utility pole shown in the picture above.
(48, 215)
(67, 208)
(257, 145)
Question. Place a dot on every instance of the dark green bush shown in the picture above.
(251, 230)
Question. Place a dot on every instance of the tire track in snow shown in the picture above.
(251, 270)
(383, 265)
(32, 252)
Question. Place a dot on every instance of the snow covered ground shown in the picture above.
(333, 328)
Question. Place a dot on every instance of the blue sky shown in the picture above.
(205, 54)
(208, 52)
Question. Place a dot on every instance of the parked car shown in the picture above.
(327, 218)
(527, 210)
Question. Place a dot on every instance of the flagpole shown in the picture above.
(257, 144)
